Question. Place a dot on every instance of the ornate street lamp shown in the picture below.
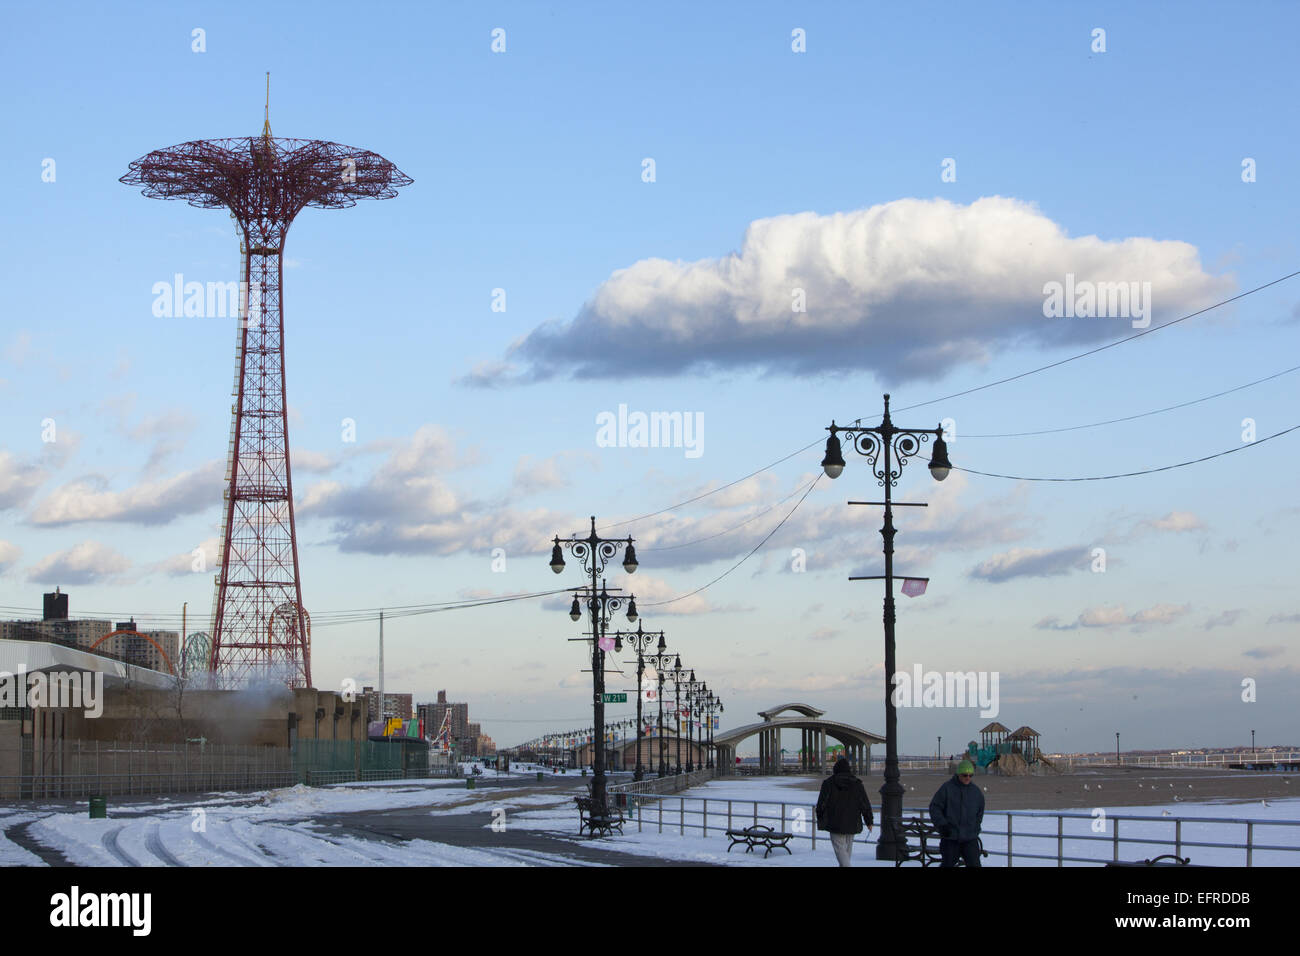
(594, 552)
(640, 640)
(895, 445)
(661, 661)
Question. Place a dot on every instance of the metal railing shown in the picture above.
(1240, 758)
(1185, 835)
(669, 784)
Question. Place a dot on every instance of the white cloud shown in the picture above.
(1114, 616)
(405, 508)
(148, 503)
(1175, 521)
(1031, 562)
(908, 290)
(9, 554)
(86, 563)
(18, 482)
(179, 565)
(314, 461)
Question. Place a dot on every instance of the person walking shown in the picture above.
(957, 811)
(842, 808)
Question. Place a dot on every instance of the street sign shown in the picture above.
(616, 698)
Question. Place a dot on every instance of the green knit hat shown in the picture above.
(965, 767)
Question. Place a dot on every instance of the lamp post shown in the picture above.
(640, 641)
(1117, 760)
(896, 445)
(594, 551)
(939, 750)
(1252, 745)
(677, 710)
(661, 661)
(692, 688)
(714, 708)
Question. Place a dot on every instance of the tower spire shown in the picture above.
(266, 123)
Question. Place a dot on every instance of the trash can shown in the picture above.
(584, 771)
(539, 775)
(469, 783)
(98, 808)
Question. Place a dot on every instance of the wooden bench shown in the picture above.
(760, 836)
(1176, 861)
(597, 819)
(926, 850)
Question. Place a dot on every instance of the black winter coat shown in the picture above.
(957, 810)
(842, 806)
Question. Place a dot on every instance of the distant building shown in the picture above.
(154, 649)
(395, 705)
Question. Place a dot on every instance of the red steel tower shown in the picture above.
(260, 628)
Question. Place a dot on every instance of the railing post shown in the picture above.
(1010, 836)
(1115, 823)
(729, 826)
(661, 813)
(1178, 837)
(1250, 842)
(681, 816)
(706, 817)
(1060, 840)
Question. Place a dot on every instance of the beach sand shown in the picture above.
(1107, 786)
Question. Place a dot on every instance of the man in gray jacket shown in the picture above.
(957, 811)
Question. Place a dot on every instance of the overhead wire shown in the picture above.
(1146, 471)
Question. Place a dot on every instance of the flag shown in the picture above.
(606, 643)
(914, 586)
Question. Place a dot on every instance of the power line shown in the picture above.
(753, 517)
(1158, 411)
(746, 557)
(1102, 348)
(706, 494)
(1130, 474)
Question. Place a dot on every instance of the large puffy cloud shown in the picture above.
(908, 289)
(86, 563)
(148, 503)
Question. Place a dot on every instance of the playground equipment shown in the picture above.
(1008, 751)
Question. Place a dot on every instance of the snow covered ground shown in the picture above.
(284, 827)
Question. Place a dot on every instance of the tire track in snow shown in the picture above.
(250, 843)
(153, 843)
(235, 857)
(110, 844)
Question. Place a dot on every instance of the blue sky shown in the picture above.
(774, 169)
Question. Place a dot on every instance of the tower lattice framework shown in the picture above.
(260, 627)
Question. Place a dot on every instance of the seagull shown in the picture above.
(1164, 813)
(1263, 803)
(1085, 786)
(1098, 786)
(1177, 798)
(1189, 786)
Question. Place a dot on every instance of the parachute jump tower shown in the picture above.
(260, 629)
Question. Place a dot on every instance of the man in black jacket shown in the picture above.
(957, 811)
(842, 808)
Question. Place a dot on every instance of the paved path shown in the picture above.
(474, 830)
